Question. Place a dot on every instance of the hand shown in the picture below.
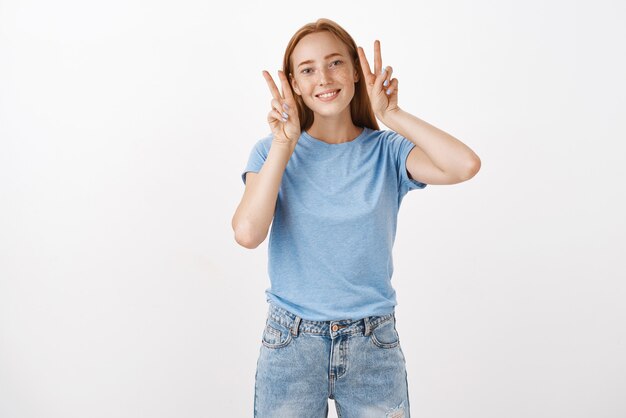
(286, 129)
(382, 102)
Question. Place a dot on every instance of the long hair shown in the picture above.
(360, 106)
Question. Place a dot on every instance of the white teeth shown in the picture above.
(327, 95)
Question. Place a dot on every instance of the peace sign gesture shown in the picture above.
(381, 88)
(283, 118)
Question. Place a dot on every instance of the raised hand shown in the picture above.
(381, 88)
(283, 118)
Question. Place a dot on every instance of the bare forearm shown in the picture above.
(255, 212)
(445, 151)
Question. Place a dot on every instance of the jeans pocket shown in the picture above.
(384, 335)
(276, 335)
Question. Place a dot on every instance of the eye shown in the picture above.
(309, 70)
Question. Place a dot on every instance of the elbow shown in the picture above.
(472, 167)
(246, 241)
(247, 238)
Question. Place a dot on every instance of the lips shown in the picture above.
(327, 92)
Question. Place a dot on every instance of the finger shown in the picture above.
(272, 85)
(393, 87)
(278, 107)
(365, 66)
(387, 75)
(279, 116)
(382, 78)
(378, 60)
(286, 87)
(271, 120)
(274, 117)
(275, 104)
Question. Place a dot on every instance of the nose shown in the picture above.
(323, 77)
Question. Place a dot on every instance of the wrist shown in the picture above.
(388, 117)
(282, 147)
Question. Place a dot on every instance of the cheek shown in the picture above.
(306, 87)
(350, 84)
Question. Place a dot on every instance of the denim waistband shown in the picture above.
(297, 325)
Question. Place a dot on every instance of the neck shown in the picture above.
(334, 130)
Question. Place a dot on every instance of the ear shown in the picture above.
(356, 76)
(294, 85)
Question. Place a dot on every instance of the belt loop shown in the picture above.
(366, 322)
(295, 326)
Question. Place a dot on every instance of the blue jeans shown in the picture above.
(358, 363)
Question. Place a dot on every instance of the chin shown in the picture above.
(329, 109)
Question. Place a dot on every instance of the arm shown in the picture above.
(252, 219)
(255, 212)
(438, 157)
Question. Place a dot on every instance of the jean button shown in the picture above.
(334, 328)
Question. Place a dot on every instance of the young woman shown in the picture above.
(331, 183)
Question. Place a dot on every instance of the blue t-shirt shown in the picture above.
(330, 244)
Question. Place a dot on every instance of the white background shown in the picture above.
(124, 128)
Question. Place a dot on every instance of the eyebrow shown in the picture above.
(326, 57)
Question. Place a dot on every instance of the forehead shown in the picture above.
(315, 46)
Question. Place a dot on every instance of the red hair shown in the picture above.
(360, 106)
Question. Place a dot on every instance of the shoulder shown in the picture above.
(375, 134)
(265, 141)
(374, 137)
(392, 136)
(384, 134)
(262, 145)
(388, 139)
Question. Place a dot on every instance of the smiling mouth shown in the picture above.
(328, 95)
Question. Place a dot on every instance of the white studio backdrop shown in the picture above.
(124, 128)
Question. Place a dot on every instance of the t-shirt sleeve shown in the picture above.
(257, 157)
(400, 148)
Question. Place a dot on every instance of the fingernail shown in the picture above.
(388, 92)
(283, 119)
(285, 115)
(386, 83)
(285, 106)
(384, 69)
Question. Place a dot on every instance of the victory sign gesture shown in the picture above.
(283, 118)
(381, 88)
